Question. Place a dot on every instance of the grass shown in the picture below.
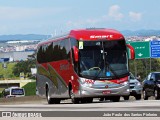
(6, 73)
(30, 89)
(1, 89)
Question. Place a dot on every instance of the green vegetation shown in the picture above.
(13, 70)
(142, 66)
(30, 89)
(7, 73)
(1, 89)
(25, 67)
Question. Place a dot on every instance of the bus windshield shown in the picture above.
(103, 59)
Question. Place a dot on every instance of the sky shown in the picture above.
(60, 16)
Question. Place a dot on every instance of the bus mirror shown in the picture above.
(132, 52)
(75, 49)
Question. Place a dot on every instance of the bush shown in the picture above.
(30, 89)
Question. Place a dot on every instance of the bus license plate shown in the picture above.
(106, 92)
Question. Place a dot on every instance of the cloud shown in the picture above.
(114, 12)
(134, 16)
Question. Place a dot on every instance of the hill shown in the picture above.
(24, 37)
(44, 37)
(141, 33)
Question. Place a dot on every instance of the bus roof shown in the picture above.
(94, 34)
(89, 34)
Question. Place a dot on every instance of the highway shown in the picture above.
(96, 110)
(132, 105)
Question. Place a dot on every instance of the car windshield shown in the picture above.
(157, 77)
(132, 76)
(103, 59)
(17, 92)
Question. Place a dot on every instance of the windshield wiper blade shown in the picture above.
(115, 74)
(97, 75)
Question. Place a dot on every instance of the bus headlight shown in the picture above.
(125, 83)
(82, 80)
(86, 82)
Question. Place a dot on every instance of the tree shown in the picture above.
(142, 66)
(25, 66)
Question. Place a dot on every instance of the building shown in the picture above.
(16, 56)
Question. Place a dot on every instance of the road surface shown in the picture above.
(141, 109)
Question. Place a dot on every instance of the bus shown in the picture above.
(82, 65)
(13, 92)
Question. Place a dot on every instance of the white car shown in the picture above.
(135, 88)
(13, 92)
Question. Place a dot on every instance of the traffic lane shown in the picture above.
(141, 105)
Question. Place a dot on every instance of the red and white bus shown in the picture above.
(82, 65)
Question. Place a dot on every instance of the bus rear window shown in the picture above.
(17, 92)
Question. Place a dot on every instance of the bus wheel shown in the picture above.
(115, 99)
(56, 100)
(49, 99)
(83, 100)
(73, 99)
(126, 97)
(101, 99)
(89, 100)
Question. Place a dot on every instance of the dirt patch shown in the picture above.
(22, 100)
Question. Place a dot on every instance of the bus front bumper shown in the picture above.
(94, 93)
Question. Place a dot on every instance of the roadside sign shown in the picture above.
(142, 49)
(155, 49)
(4, 65)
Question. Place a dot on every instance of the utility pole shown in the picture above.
(4, 65)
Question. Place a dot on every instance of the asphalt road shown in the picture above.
(132, 105)
(102, 109)
(35, 108)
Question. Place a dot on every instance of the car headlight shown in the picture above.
(138, 83)
(158, 85)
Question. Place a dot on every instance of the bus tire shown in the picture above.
(101, 99)
(49, 99)
(56, 100)
(115, 99)
(83, 100)
(126, 97)
(89, 100)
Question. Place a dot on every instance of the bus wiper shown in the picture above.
(115, 74)
(97, 74)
